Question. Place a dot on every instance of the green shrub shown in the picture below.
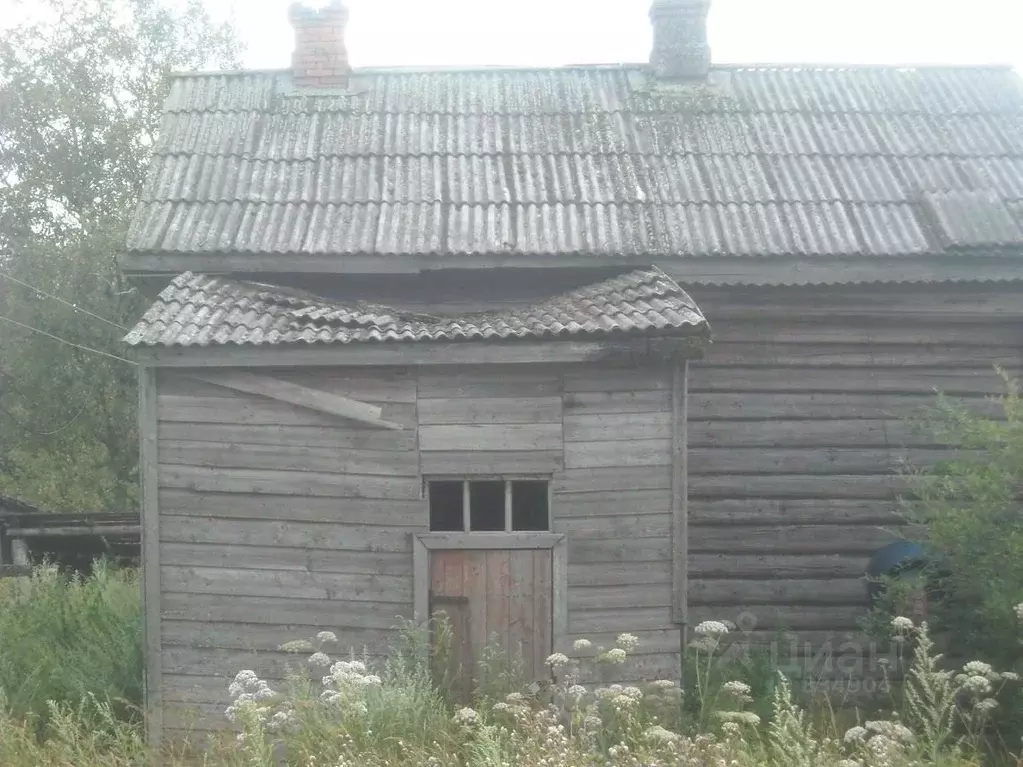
(71, 639)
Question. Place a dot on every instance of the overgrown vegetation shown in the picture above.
(71, 642)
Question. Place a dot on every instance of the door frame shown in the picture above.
(556, 543)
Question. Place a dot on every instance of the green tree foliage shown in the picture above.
(968, 509)
(82, 84)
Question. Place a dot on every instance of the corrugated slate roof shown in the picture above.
(199, 310)
(603, 161)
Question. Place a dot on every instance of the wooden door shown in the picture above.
(497, 596)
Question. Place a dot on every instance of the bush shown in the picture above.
(70, 640)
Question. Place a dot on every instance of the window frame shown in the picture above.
(507, 479)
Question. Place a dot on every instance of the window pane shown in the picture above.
(446, 506)
(530, 506)
(486, 506)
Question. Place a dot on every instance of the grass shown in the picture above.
(71, 640)
(70, 678)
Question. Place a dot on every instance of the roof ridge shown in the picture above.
(610, 66)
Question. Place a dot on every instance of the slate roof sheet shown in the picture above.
(590, 160)
(199, 310)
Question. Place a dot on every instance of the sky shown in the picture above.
(555, 32)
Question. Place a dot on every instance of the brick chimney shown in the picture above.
(320, 59)
(680, 51)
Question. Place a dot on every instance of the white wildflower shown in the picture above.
(297, 645)
(987, 704)
(731, 729)
(465, 717)
(902, 624)
(627, 642)
(855, 734)
(556, 660)
(615, 656)
(319, 659)
(739, 690)
(632, 692)
(739, 717)
(1010, 676)
(582, 645)
(658, 734)
(1019, 611)
(890, 730)
(576, 691)
(326, 636)
(605, 692)
(704, 644)
(664, 684)
(514, 697)
(501, 707)
(979, 685)
(592, 723)
(977, 668)
(711, 628)
(622, 701)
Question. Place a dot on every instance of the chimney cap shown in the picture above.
(299, 12)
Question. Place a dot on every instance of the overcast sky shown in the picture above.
(545, 32)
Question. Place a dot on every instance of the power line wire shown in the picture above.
(77, 308)
(63, 341)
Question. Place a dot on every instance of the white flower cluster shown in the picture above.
(739, 717)
(346, 683)
(615, 656)
(1019, 611)
(902, 625)
(250, 695)
(582, 645)
(711, 628)
(466, 717)
(661, 735)
(882, 741)
(627, 642)
(739, 690)
(556, 660)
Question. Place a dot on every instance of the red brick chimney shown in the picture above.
(320, 59)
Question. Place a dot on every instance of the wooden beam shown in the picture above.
(420, 581)
(679, 494)
(480, 541)
(391, 355)
(714, 270)
(302, 396)
(62, 532)
(148, 468)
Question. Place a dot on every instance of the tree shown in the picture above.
(82, 84)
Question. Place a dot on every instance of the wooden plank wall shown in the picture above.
(277, 522)
(613, 500)
(795, 429)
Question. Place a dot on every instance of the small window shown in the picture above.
(489, 505)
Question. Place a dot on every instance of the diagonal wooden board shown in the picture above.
(302, 396)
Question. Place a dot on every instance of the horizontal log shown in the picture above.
(263, 638)
(379, 386)
(797, 618)
(791, 486)
(776, 566)
(252, 532)
(489, 410)
(535, 436)
(593, 551)
(224, 664)
(287, 483)
(583, 378)
(601, 403)
(616, 573)
(490, 382)
(620, 526)
(338, 613)
(570, 506)
(459, 462)
(860, 432)
(733, 326)
(860, 354)
(807, 405)
(577, 481)
(818, 460)
(788, 539)
(336, 438)
(704, 377)
(294, 508)
(592, 621)
(237, 455)
(282, 558)
(291, 584)
(736, 592)
(816, 511)
(592, 455)
(621, 595)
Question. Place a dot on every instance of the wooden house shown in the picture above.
(421, 342)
